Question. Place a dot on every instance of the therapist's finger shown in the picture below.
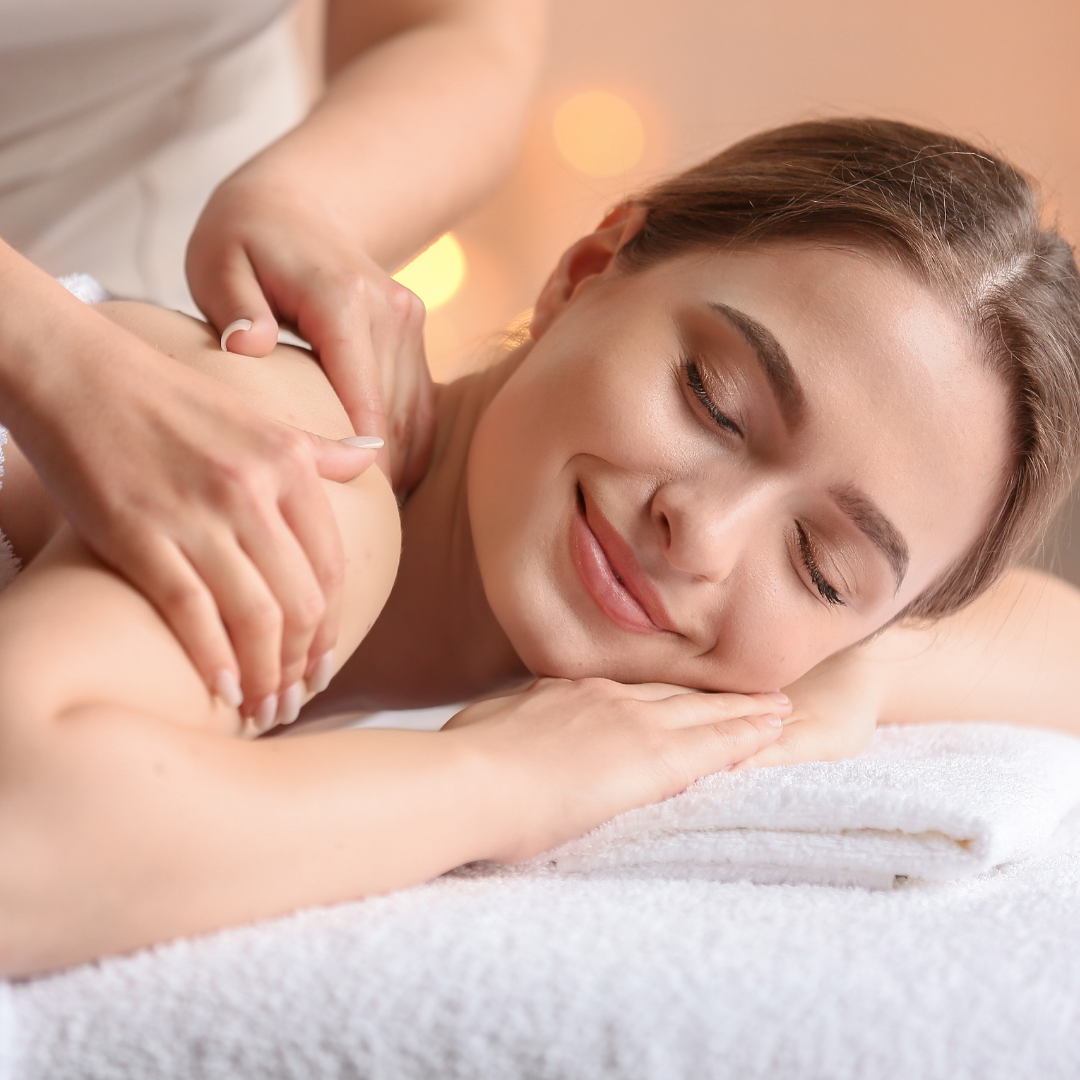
(341, 319)
(163, 574)
(252, 615)
(410, 410)
(228, 293)
(305, 600)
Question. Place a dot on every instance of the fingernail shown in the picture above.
(228, 689)
(780, 699)
(365, 442)
(321, 673)
(289, 706)
(236, 324)
(266, 713)
(772, 720)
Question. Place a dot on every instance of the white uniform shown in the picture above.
(119, 117)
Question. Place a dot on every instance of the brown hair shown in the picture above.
(965, 223)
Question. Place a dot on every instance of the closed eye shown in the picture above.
(806, 547)
(694, 381)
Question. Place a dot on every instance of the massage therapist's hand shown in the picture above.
(270, 255)
(569, 755)
(214, 512)
(834, 710)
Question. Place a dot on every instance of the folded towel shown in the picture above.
(934, 802)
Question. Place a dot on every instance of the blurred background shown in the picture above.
(634, 89)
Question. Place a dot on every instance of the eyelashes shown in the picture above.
(694, 381)
(806, 548)
(696, 384)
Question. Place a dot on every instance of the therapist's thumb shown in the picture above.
(344, 459)
(228, 293)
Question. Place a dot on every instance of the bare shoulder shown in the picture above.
(288, 385)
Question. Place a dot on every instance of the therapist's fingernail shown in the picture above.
(232, 328)
(772, 720)
(228, 689)
(365, 442)
(321, 673)
(289, 705)
(266, 713)
(780, 699)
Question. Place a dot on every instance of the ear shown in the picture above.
(584, 261)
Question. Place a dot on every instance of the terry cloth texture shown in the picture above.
(527, 973)
(932, 802)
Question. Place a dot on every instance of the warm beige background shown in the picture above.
(702, 73)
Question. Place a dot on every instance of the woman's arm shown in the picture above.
(119, 830)
(1013, 656)
(421, 118)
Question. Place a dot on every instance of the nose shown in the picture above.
(705, 533)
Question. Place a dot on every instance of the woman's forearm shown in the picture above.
(117, 831)
(1013, 655)
(421, 117)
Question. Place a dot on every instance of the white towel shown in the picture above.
(501, 974)
(934, 802)
(525, 973)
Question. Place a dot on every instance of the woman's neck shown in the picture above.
(436, 640)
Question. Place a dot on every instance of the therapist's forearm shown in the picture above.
(420, 124)
(45, 335)
(1013, 655)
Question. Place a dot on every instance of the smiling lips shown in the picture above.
(611, 574)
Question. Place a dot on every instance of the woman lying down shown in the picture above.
(824, 384)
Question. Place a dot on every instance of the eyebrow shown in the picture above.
(780, 374)
(773, 361)
(875, 526)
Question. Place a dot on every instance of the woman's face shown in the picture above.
(718, 471)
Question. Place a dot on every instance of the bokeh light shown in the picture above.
(599, 133)
(437, 273)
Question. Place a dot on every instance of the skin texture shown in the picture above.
(129, 810)
(184, 490)
(897, 404)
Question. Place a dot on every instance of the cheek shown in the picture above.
(766, 644)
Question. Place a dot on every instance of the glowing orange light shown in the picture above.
(437, 273)
(599, 133)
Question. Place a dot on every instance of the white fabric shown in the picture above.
(119, 117)
(522, 974)
(933, 802)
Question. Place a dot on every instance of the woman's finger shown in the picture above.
(718, 747)
(167, 579)
(696, 708)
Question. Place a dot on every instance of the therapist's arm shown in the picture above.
(1013, 656)
(421, 117)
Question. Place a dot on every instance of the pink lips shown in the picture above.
(611, 574)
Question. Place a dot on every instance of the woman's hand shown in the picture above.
(569, 755)
(269, 254)
(834, 710)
